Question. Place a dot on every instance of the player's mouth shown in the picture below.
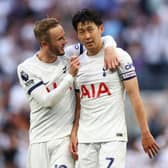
(61, 51)
(89, 43)
(62, 48)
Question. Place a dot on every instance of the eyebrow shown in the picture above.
(59, 38)
(89, 26)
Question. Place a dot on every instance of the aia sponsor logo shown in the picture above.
(90, 91)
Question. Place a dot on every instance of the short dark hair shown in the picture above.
(42, 27)
(86, 15)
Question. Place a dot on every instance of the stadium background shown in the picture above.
(139, 26)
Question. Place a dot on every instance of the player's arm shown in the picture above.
(36, 88)
(148, 142)
(73, 138)
(128, 76)
(111, 58)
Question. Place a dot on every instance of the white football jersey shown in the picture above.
(102, 116)
(38, 79)
(47, 123)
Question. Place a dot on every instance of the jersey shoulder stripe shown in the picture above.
(81, 49)
(34, 87)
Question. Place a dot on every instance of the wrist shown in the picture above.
(145, 128)
(145, 132)
(74, 131)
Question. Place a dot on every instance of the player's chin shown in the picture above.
(90, 46)
(61, 53)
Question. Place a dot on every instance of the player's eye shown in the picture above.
(61, 38)
(90, 29)
(80, 31)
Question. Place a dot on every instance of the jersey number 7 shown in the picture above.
(110, 159)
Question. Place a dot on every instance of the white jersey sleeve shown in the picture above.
(109, 41)
(27, 79)
(126, 69)
(35, 87)
(75, 49)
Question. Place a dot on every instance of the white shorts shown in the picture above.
(51, 154)
(101, 155)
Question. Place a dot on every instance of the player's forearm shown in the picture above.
(141, 117)
(49, 99)
(75, 125)
(132, 89)
(76, 118)
(139, 112)
(77, 113)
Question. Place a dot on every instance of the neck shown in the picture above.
(46, 57)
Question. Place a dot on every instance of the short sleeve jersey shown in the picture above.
(47, 123)
(102, 116)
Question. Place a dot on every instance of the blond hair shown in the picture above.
(42, 27)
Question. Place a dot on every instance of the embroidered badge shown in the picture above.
(24, 76)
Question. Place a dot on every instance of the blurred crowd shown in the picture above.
(139, 26)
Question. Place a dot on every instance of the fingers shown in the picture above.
(75, 155)
(156, 148)
(116, 63)
(111, 58)
(73, 146)
(73, 150)
(150, 153)
(74, 61)
(149, 144)
(152, 150)
(73, 57)
(112, 64)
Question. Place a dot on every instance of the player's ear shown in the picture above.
(43, 43)
(101, 28)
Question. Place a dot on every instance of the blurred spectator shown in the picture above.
(139, 26)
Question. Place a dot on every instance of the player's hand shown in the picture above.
(73, 145)
(74, 65)
(149, 145)
(111, 59)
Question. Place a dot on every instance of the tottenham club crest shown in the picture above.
(24, 76)
(64, 69)
(104, 71)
